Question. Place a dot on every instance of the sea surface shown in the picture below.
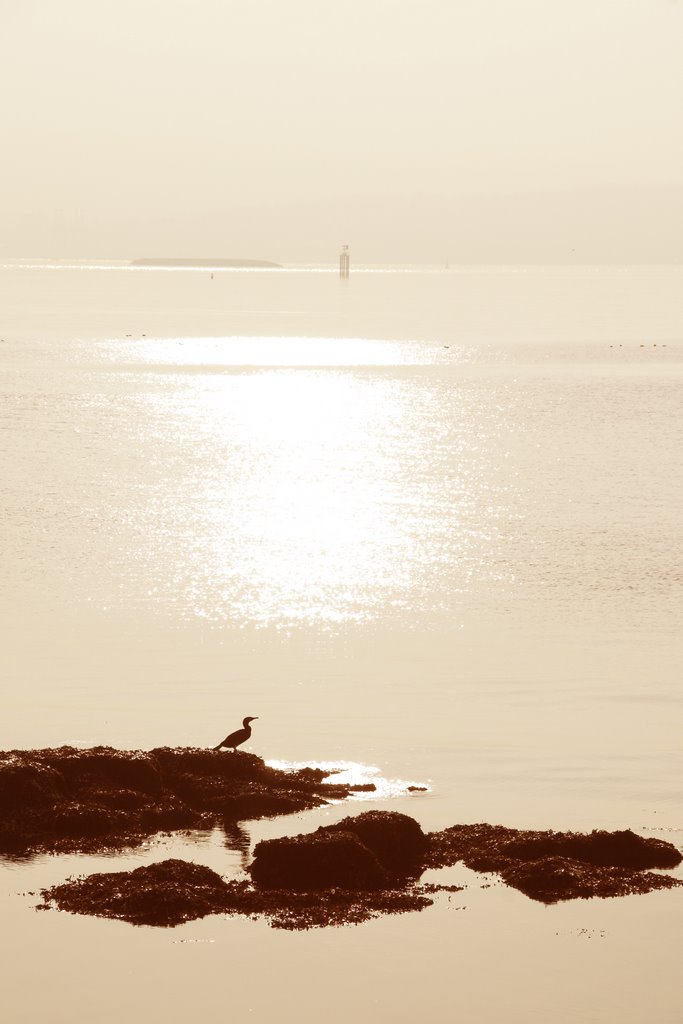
(426, 523)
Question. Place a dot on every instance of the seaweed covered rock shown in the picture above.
(110, 768)
(361, 867)
(484, 847)
(366, 851)
(201, 763)
(86, 821)
(622, 849)
(172, 892)
(168, 893)
(396, 840)
(258, 800)
(73, 799)
(552, 866)
(552, 879)
(25, 782)
(322, 860)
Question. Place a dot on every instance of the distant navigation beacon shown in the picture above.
(344, 262)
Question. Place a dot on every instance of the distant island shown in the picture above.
(154, 261)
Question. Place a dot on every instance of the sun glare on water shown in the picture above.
(305, 487)
(352, 773)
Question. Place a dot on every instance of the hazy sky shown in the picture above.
(281, 128)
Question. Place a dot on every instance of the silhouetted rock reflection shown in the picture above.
(237, 838)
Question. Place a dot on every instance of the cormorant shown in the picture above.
(239, 736)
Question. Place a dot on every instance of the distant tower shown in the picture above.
(344, 262)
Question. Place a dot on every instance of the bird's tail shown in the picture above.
(218, 747)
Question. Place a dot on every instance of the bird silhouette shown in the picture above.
(239, 736)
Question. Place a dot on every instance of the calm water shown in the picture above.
(428, 521)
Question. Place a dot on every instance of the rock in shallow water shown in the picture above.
(368, 851)
(69, 799)
(552, 879)
(364, 866)
(553, 866)
(622, 849)
(173, 892)
(168, 893)
(322, 860)
(397, 840)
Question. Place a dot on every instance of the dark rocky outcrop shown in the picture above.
(397, 840)
(380, 849)
(322, 860)
(27, 783)
(375, 850)
(552, 866)
(622, 849)
(552, 879)
(67, 799)
(174, 891)
(168, 893)
(367, 865)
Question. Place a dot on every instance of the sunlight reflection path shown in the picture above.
(303, 494)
